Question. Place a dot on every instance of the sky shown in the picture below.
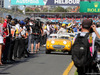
(7, 3)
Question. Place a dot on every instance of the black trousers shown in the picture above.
(26, 47)
(83, 70)
(21, 47)
(10, 52)
(45, 38)
(7, 49)
(88, 70)
(42, 40)
(16, 47)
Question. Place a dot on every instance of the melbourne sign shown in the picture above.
(45, 2)
(90, 7)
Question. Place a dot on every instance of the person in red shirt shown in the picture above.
(5, 30)
(7, 20)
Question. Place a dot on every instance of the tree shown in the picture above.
(59, 9)
(28, 10)
(69, 9)
(16, 9)
(37, 10)
(45, 10)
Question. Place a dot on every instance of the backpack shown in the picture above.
(81, 54)
(36, 29)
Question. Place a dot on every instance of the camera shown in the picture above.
(91, 30)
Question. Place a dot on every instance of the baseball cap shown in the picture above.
(22, 22)
(9, 17)
(87, 23)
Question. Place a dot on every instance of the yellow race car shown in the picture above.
(58, 42)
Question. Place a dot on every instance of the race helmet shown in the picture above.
(63, 24)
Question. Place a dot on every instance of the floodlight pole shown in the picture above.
(24, 7)
(48, 8)
(10, 4)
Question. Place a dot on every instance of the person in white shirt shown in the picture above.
(62, 30)
(48, 27)
(22, 39)
(97, 40)
(17, 38)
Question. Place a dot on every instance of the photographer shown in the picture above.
(36, 32)
(88, 53)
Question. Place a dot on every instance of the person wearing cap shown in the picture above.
(19, 46)
(88, 28)
(62, 30)
(7, 37)
(22, 33)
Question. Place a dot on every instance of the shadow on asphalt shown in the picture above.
(60, 54)
(42, 51)
(23, 60)
(17, 62)
(5, 73)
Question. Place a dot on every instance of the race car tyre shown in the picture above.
(69, 52)
(48, 51)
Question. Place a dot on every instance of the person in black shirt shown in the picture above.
(36, 32)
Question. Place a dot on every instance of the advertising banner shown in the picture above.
(46, 2)
(90, 7)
